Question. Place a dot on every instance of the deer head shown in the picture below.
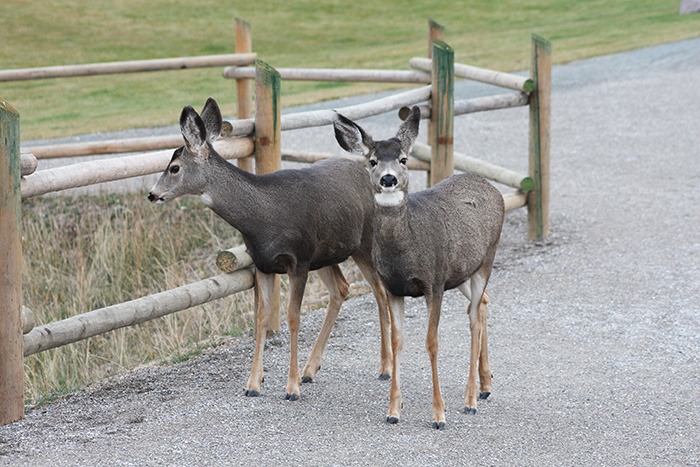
(186, 173)
(386, 159)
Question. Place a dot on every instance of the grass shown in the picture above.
(307, 33)
(84, 252)
(92, 251)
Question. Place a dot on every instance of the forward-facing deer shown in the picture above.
(427, 242)
(292, 222)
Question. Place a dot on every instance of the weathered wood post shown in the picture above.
(244, 86)
(436, 32)
(442, 113)
(11, 339)
(540, 98)
(268, 145)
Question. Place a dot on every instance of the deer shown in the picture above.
(292, 221)
(425, 243)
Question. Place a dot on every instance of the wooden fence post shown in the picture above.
(11, 338)
(436, 32)
(268, 146)
(442, 112)
(540, 98)
(244, 87)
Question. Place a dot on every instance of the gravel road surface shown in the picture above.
(594, 333)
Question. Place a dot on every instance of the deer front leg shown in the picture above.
(395, 398)
(338, 290)
(478, 285)
(380, 295)
(264, 290)
(431, 345)
(297, 283)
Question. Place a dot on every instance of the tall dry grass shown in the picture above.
(87, 252)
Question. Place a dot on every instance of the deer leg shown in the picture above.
(384, 320)
(484, 365)
(338, 290)
(395, 398)
(297, 283)
(431, 345)
(264, 289)
(478, 285)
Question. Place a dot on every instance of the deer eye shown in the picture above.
(372, 163)
(174, 169)
(403, 160)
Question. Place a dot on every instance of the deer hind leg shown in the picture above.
(484, 365)
(431, 345)
(397, 319)
(264, 296)
(297, 283)
(478, 286)
(380, 295)
(338, 290)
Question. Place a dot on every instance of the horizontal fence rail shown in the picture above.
(483, 75)
(83, 326)
(356, 112)
(485, 169)
(311, 157)
(27, 163)
(334, 74)
(134, 66)
(477, 104)
(111, 146)
(119, 168)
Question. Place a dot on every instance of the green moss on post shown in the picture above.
(442, 113)
(11, 338)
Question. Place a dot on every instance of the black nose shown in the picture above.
(151, 197)
(388, 180)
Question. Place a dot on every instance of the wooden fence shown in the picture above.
(254, 137)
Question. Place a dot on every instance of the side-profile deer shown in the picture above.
(427, 242)
(292, 222)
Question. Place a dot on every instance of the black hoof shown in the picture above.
(291, 397)
(484, 395)
(306, 379)
(469, 411)
(251, 393)
(392, 420)
(439, 426)
(384, 377)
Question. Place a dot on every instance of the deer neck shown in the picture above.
(392, 225)
(233, 195)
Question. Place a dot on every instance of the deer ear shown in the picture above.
(211, 115)
(408, 131)
(192, 128)
(351, 137)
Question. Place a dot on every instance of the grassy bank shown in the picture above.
(304, 33)
(90, 252)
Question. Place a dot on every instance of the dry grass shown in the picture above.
(88, 252)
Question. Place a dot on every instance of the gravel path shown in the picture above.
(594, 334)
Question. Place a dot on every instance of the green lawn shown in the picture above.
(308, 33)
